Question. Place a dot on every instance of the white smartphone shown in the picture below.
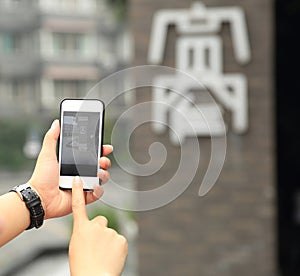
(80, 142)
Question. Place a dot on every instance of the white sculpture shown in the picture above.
(199, 53)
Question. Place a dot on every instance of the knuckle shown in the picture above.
(112, 232)
(108, 162)
(124, 243)
(107, 176)
(104, 176)
(105, 162)
(102, 220)
(123, 240)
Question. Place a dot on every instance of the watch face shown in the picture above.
(20, 188)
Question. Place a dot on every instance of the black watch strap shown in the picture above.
(33, 204)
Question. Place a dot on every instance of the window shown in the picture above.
(72, 4)
(5, 91)
(69, 88)
(10, 43)
(68, 44)
(12, 3)
(68, 6)
(17, 91)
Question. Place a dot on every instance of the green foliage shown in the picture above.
(108, 126)
(109, 213)
(12, 139)
(119, 8)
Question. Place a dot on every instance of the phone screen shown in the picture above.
(80, 140)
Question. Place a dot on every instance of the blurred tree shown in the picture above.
(119, 8)
(13, 136)
(12, 139)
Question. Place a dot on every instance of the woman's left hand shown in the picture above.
(45, 178)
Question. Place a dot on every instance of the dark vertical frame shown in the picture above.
(287, 81)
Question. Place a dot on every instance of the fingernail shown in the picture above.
(110, 146)
(101, 174)
(77, 180)
(53, 126)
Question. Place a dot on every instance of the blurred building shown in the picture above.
(53, 49)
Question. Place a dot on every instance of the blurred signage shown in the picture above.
(199, 53)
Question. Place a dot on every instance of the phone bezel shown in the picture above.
(82, 105)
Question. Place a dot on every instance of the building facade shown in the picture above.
(50, 50)
(231, 230)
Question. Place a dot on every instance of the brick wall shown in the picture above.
(231, 230)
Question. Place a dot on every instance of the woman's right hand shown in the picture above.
(94, 248)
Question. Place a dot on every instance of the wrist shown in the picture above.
(32, 202)
(41, 198)
(21, 209)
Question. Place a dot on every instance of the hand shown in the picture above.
(45, 177)
(94, 248)
(2, 224)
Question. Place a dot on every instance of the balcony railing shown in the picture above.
(18, 17)
(19, 66)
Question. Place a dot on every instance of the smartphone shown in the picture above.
(80, 141)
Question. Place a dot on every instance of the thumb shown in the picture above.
(50, 139)
(78, 202)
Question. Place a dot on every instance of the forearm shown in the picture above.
(14, 215)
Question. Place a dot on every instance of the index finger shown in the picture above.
(78, 201)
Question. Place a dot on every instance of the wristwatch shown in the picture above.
(33, 204)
